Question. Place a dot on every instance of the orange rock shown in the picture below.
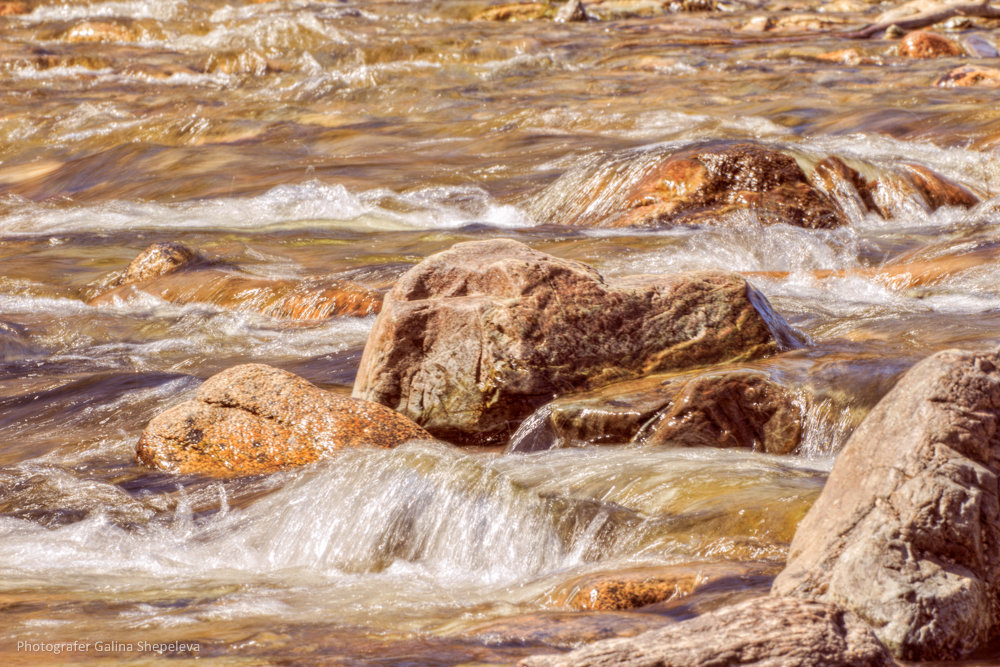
(13, 8)
(937, 190)
(639, 587)
(699, 184)
(970, 75)
(255, 419)
(851, 57)
(833, 172)
(177, 274)
(100, 31)
(927, 44)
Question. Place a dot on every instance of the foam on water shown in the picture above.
(308, 205)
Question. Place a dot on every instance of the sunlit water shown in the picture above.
(318, 140)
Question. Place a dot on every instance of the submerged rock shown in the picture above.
(177, 274)
(971, 76)
(764, 631)
(927, 44)
(254, 419)
(14, 342)
(701, 183)
(906, 533)
(472, 340)
(14, 7)
(738, 408)
(639, 587)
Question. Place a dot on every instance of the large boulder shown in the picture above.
(703, 182)
(254, 419)
(472, 340)
(927, 44)
(763, 631)
(177, 274)
(906, 533)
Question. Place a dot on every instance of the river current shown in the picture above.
(309, 140)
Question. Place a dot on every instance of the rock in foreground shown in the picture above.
(906, 533)
(472, 340)
(764, 631)
(255, 419)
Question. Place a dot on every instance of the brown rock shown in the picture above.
(565, 629)
(850, 57)
(723, 409)
(906, 533)
(702, 183)
(838, 177)
(255, 419)
(927, 44)
(176, 274)
(638, 587)
(102, 31)
(729, 409)
(472, 340)
(971, 75)
(937, 190)
(158, 260)
(14, 8)
(764, 631)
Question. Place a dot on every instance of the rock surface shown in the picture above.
(638, 587)
(722, 409)
(971, 76)
(906, 533)
(254, 419)
(927, 44)
(701, 183)
(729, 409)
(473, 339)
(764, 631)
(177, 274)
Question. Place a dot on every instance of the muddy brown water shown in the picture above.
(349, 140)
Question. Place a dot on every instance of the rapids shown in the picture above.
(348, 140)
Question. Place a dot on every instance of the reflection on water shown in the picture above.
(316, 141)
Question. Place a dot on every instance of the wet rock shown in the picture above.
(177, 274)
(906, 533)
(937, 190)
(14, 8)
(979, 47)
(255, 419)
(729, 409)
(158, 260)
(725, 409)
(473, 339)
(702, 183)
(838, 177)
(764, 631)
(639, 587)
(971, 76)
(851, 57)
(927, 44)
(103, 31)
(571, 11)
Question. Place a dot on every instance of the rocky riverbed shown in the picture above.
(395, 332)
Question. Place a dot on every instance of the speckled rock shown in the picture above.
(971, 76)
(701, 183)
(177, 274)
(158, 260)
(906, 533)
(14, 7)
(254, 419)
(639, 587)
(927, 44)
(473, 339)
(784, 632)
(736, 408)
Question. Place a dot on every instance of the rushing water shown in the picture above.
(326, 140)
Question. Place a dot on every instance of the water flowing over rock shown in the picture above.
(254, 419)
(764, 631)
(720, 409)
(473, 339)
(906, 533)
(702, 183)
(969, 76)
(177, 274)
